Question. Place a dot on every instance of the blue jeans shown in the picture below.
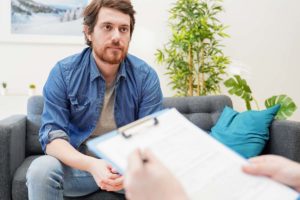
(48, 178)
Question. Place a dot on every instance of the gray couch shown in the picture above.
(19, 144)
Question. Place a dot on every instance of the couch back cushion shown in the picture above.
(203, 111)
(35, 106)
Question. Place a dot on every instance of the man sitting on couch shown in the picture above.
(89, 94)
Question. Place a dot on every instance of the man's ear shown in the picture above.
(87, 32)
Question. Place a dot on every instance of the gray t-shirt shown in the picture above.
(106, 122)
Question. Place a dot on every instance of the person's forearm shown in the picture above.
(66, 153)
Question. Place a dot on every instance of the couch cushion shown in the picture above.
(284, 139)
(246, 132)
(203, 111)
(34, 111)
(19, 188)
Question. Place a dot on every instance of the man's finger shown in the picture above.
(113, 170)
(113, 176)
(135, 160)
(260, 169)
(109, 188)
(259, 159)
(150, 157)
(115, 182)
(263, 159)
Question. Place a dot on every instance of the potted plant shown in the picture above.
(31, 89)
(195, 61)
(4, 88)
(193, 56)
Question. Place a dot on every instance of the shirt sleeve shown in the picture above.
(56, 113)
(151, 98)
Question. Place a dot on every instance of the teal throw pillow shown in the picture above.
(246, 132)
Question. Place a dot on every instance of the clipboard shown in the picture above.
(151, 120)
(205, 168)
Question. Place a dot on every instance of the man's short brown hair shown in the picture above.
(90, 14)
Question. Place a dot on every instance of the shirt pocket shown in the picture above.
(79, 105)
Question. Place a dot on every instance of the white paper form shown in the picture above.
(206, 168)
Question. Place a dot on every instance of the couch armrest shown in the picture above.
(12, 151)
(284, 139)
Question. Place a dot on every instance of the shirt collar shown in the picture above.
(95, 72)
(122, 70)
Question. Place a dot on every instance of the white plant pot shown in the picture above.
(4, 91)
(31, 92)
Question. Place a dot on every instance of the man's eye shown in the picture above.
(124, 29)
(107, 27)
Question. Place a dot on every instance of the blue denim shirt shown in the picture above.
(74, 95)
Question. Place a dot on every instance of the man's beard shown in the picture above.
(113, 56)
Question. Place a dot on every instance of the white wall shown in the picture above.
(264, 38)
(22, 64)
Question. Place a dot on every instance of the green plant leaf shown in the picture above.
(239, 87)
(159, 56)
(287, 108)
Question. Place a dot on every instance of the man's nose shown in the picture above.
(116, 35)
